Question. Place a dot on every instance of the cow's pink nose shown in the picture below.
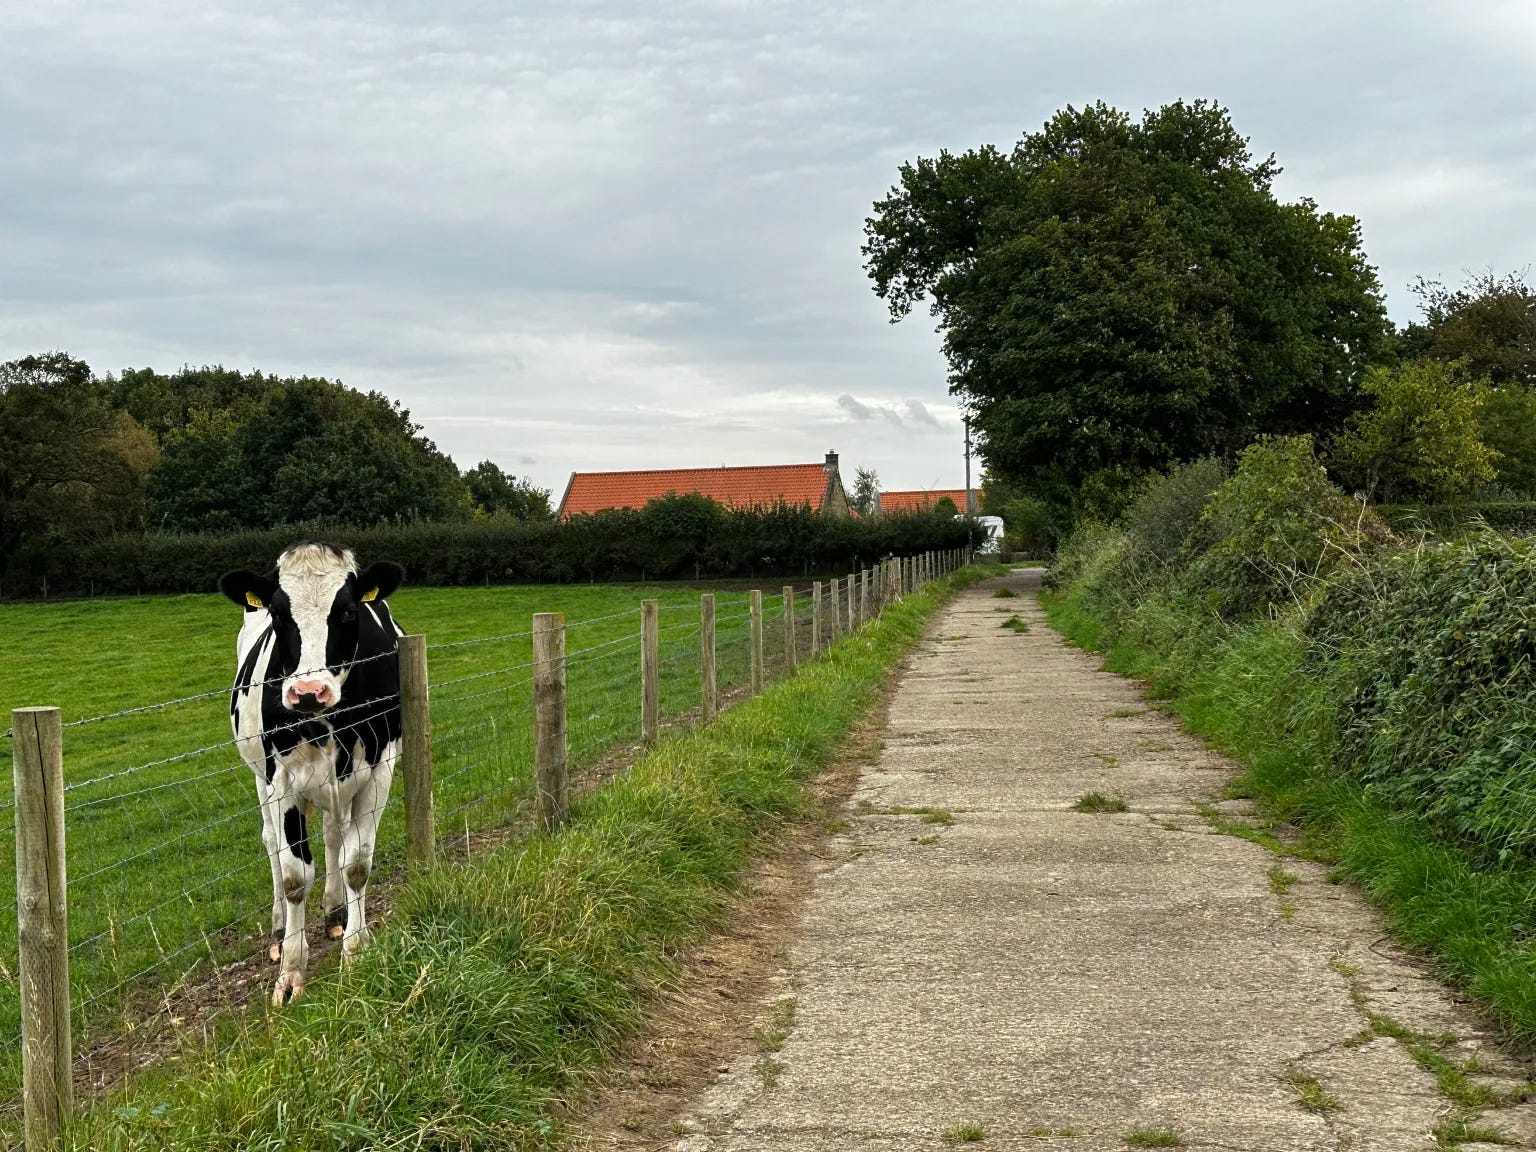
(316, 690)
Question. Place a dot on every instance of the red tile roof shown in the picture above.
(921, 501)
(763, 485)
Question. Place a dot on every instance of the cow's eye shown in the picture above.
(349, 615)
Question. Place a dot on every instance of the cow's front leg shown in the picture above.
(272, 839)
(335, 890)
(359, 838)
(298, 866)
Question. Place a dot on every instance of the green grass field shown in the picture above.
(166, 866)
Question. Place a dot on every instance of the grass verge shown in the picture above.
(1244, 695)
(498, 988)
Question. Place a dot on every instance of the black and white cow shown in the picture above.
(316, 713)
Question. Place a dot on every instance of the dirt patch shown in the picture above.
(716, 1009)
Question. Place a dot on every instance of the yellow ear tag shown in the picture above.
(370, 596)
(253, 600)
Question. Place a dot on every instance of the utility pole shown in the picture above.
(970, 497)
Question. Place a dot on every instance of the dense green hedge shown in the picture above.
(1425, 650)
(1379, 686)
(675, 538)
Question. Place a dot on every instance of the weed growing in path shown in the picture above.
(1455, 1132)
(1281, 881)
(1005, 594)
(1153, 1138)
(930, 815)
(1098, 802)
(1124, 713)
(771, 1036)
(1016, 624)
(964, 1134)
(769, 1070)
(1307, 1086)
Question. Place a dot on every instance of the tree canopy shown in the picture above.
(1420, 438)
(71, 464)
(495, 493)
(1489, 323)
(211, 449)
(256, 451)
(1115, 296)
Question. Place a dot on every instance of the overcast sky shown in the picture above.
(602, 235)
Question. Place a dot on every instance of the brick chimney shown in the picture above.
(831, 462)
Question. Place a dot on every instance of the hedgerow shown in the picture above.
(678, 537)
(1379, 687)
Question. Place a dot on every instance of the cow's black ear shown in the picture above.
(379, 581)
(247, 589)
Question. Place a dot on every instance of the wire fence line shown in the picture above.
(168, 881)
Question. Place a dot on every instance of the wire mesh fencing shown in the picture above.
(175, 877)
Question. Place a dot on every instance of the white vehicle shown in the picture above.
(994, 527)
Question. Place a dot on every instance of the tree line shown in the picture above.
(212, 450)
(1117, 296)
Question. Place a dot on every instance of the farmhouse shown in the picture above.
(923, 500)
(756, 486)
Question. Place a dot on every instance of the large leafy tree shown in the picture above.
(254, 451)
(1489, 323)
(1117, 295)
(494, 492)
(71, 464)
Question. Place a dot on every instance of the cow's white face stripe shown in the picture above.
(311, 577)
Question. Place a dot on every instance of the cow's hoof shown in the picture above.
(275, 950)
(289, 986)
(336, 922)
(352, 946)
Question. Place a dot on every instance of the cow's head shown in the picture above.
(314, 604)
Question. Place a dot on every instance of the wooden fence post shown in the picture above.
(416, 749)
(864, 598)
(757, 640)
(650, 672)
(551, 780)
(789, 628)
(835, 616)
(709, 702)
(42, 924)
(816, 619)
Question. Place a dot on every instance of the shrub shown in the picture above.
(1165, 525)
(1277, 527)
(1433, 650)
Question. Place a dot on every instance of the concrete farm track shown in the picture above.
(1048, 978)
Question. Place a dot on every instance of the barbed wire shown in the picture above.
(212, 692)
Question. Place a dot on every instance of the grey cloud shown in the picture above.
(851, 406)
(919, 414)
